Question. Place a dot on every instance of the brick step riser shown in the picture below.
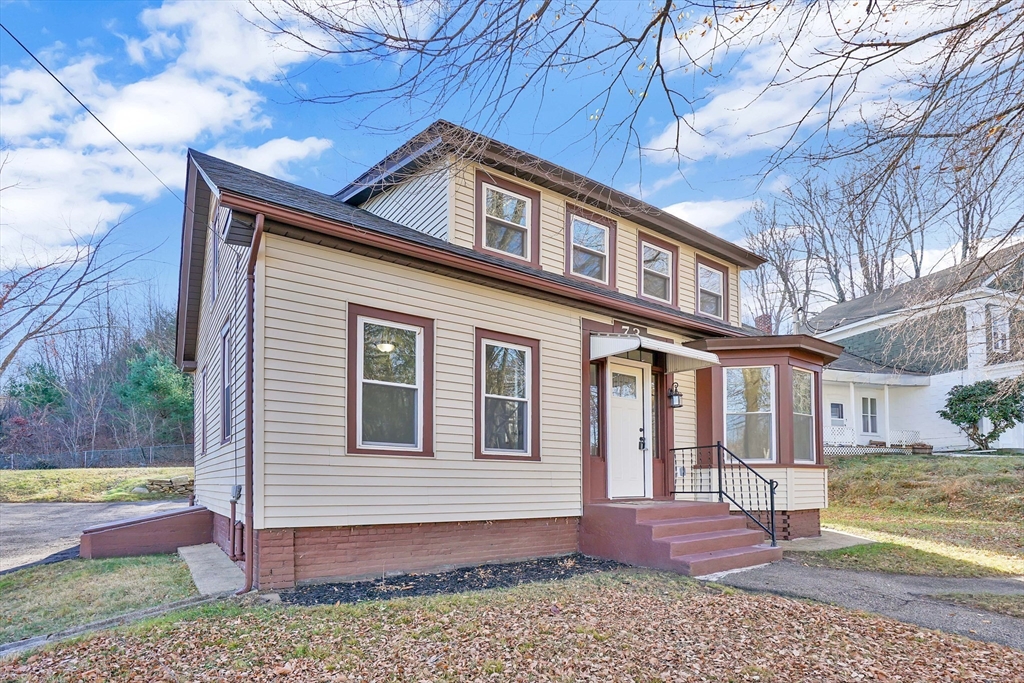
(707, 545)
(714, 565)
(697, 526)
(660, 513)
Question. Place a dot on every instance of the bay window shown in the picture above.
(804, 444)
(390, 386)
(508, 381)
(750, 412)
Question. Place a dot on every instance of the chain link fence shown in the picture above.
(175, 455)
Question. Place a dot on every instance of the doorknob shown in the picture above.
(643, 440)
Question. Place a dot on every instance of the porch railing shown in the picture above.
(715, 471)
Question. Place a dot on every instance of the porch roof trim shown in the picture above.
(677, 358)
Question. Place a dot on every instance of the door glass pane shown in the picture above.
(656, 286)
(389, 415)
(587, 264)
(507, 207)
(623, 386)
(506, 238)
(749, 436)
(389, 354)
(505, 371)
(504, 425)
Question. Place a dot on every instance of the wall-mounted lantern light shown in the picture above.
(675, 399)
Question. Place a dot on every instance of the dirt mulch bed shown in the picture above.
(455, 581)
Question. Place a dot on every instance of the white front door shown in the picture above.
(628, 436)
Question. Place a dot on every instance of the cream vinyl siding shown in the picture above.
(222, 465)
(552, 240)
(800, 488)
(307, 479)
(420, 203)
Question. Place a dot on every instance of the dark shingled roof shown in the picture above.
(1006, 265)
(248, 183)
(853, 363)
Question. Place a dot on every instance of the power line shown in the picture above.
(73, 95)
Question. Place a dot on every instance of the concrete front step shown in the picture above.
(701, 564)
(710, 541)
(665, 528)
(679, 510)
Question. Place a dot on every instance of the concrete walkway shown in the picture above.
(213, 572)
(30, 532)
(906, 598)
(829, 540)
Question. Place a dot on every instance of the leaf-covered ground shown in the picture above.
(80, 485)
(625, 625)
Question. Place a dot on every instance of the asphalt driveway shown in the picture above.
(906, 598)
(30, 532)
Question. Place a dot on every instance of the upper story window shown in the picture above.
(590, 245)
(657, 270)
(750, 412)
(1000, 330)
(711, 289)
(508, 381)
(508, 219)
(804, 441)
(391, 373)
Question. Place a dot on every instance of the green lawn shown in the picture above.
(57, 596)
(624, 625)
(82, 485)
(933, 515)
(1010, 605)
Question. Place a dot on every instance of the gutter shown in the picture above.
(250, 342)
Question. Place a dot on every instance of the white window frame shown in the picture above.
(606, 255)
(361, 322)
(226, 418)
(721, 296)
(774, 412)
(1000, 330)
(814, 426)
(867, 402)
(670, 275)
(529, 227)
(527, 453)
(842, 414)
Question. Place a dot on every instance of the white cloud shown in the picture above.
(711, 214)
(68, 174)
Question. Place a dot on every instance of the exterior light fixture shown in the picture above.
(675, 399)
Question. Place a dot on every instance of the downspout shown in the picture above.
(250, 342)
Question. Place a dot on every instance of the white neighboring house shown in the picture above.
(959, 326)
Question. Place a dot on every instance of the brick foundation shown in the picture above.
(790, 524)
(285, 557)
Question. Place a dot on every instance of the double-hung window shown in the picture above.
(1000, 330)
(804, 443)
(869, 415)
(507, 222)
(508, 381)
(710, 291)
(656, 268)
(750, 412)
(225, 382)
(390, 382)
(590, 246)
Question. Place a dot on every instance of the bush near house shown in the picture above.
(1000, 403)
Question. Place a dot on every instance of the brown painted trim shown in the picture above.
(571, 210)
(478, 395)
(426, 448)
(439, 257)
(721, 268)
(191, 175)
(783, 344)
(673, 276)
(249, 447)
(595, 479)
(534, 230)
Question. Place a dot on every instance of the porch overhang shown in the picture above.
(677, 358)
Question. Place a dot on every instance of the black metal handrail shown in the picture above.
(707, 472)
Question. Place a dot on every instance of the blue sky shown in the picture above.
(172, 75)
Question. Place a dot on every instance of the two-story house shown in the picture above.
(469, 355)
(907, 346)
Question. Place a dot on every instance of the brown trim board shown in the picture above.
(426, 448)
(478, 393)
